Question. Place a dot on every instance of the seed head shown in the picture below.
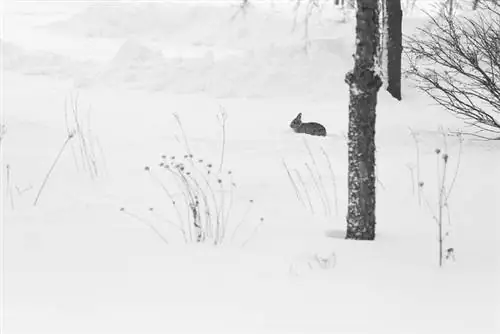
(445, 157)
(437, 151)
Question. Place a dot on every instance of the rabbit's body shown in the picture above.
(312, 128)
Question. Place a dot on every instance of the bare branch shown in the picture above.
(456, 61)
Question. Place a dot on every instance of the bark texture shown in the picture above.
(364, 84)
(394, 47)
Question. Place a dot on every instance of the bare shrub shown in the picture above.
(445, 182)
(456, 61)
(200, 197)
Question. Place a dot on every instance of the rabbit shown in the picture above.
(314, 129)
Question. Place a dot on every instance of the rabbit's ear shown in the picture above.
(299, 116)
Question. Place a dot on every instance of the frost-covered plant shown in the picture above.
(441, 210)
(79, 133)
(87, 152)
(200, 197)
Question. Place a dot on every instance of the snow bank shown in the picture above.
(216, 49)
(16, 58)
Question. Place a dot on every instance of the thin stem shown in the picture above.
(243, 219)
(144, 221)
(333, 181)
(70, 136)
(222, 118)
(184, 136)
(294, 185)
(256, 229)
(305, 190)
(321, 184)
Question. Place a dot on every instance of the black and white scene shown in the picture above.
(250, 166)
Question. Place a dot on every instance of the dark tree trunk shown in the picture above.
(364, 83)
(394, 47)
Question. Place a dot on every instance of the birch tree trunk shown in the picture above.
(364, 84)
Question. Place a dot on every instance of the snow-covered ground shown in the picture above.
(75, 263)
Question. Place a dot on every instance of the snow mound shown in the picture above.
(134, 54)
(275, 71)
(217, 50)
(30, 62)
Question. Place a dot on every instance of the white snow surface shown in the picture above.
(75, 263)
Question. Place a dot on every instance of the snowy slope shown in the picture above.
(75, 263)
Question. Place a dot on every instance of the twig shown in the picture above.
(145, 222)
(299, 177)
(222, 119)
(459, 159)
(169, 195)
(9, 186)
(294, 185)
(169, 222)
(412, 179)
(70, 136)
(184, 136)
(253, 233)
(327, 157)
(415, 138)
(249, 207)
(316, 184)
(321, 184)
